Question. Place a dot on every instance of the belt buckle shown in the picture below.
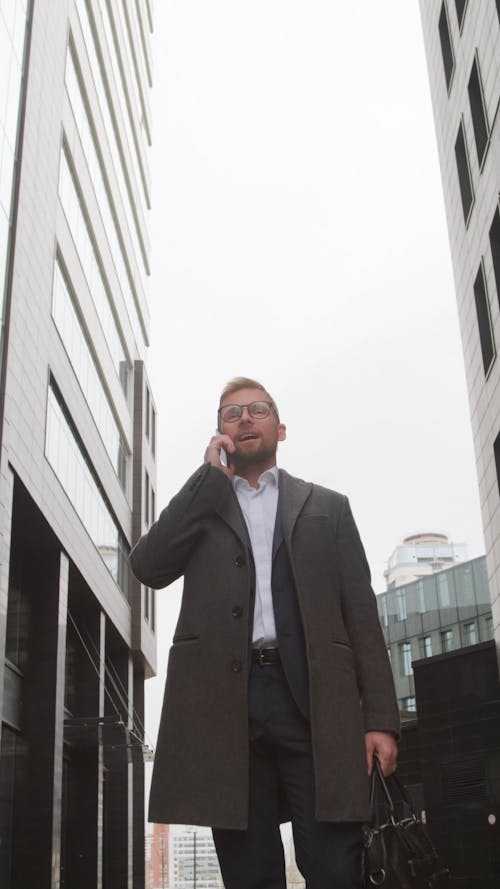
(261, 659)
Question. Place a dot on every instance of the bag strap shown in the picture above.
(377, 775)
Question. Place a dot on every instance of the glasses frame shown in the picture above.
(248, 406)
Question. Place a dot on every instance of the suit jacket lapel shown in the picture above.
(293, 495)
(278, 525)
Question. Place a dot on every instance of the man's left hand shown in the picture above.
(383, 745)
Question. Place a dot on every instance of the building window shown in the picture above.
(70, 462)
(146, 603)
(67, 321)
(463, 170)
(465, 586)
(146, 497)
(401, 603)
(495, 248)
(425, 646)
(153, 431)
(76, 217)
(470, 633)
(383, 611)
(148, 412)
(447, 640)
(406, 658)
(496, 451)
(153, 610)
(484, 320)
(446, 45)
(153, 505)
(420, 596)
(7, 796)
(461, 6)
(478, 110)
(488, 626)
(410, 704)
(443, 591)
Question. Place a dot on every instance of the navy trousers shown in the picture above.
(327, 854)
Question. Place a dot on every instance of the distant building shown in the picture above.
(193, 859)
(444, 611)
(148, 870)
(421, 554)
(159, 857)
(462, 44)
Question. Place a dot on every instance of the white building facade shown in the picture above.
(77, 440)
(193, 859)
(421, 554)
(462, 43)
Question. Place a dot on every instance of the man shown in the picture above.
(279, 689)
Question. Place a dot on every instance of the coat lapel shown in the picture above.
(293, 495)
(229, 510)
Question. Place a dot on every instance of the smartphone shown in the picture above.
(224, 458)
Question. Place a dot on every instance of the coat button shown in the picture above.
(236, 666)
(237, 611)
(239, 561)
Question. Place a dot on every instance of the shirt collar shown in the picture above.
(270, 476)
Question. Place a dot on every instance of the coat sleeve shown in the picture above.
(359, 607)
(161, 555)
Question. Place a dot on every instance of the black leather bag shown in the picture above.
(398, 852)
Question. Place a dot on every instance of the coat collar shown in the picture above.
(229, 509)
(293, 493)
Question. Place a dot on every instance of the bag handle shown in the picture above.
(378, 775)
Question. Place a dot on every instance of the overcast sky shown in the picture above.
(299, 237)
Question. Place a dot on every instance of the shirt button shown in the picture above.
(239, 561)
(236, 666)
(237, 611)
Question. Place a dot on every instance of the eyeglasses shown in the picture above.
(259, 410)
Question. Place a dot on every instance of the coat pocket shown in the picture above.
(186, 637)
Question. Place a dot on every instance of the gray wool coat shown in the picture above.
(201, 765)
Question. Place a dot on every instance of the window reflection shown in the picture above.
(12, 37)
(73, 471)
(443, 590)
(79, 354)
(120, 83)
(121, 264)
(80, 233)
(81, 116)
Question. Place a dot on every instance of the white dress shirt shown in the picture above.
(259, 506)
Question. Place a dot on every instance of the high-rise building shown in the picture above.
(77, 441)
(421, 554)
(462, 42)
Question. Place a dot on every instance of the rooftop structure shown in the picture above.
(421, 554)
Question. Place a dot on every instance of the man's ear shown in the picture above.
(281, 432)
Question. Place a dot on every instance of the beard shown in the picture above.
(255, 456)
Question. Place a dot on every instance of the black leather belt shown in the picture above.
(266, 656)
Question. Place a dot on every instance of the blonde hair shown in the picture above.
(246, 383)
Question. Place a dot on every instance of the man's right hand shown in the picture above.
(213, 456)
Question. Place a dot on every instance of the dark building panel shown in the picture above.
(458, 698)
